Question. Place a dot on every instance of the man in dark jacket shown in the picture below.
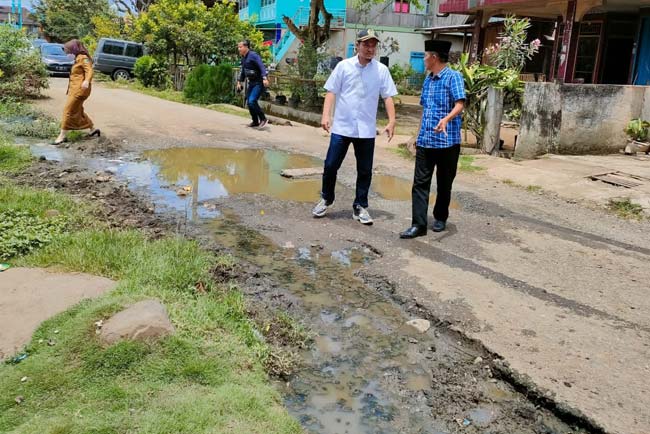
(253, 70)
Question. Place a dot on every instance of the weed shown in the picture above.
(508, 182)
(229, 109)
(21, 119)
(22, 232)
(466, 164)
(13, 158)
(76, 136)
(625, 208)
(402, 151)
(534, 188)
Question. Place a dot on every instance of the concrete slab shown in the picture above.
(29, 296)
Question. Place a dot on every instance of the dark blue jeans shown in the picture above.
(364, 151)
(253, 94)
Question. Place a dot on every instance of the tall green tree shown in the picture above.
(63, 20)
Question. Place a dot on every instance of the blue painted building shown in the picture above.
(396, 19)
(267, 16)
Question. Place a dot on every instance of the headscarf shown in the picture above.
(75, 47)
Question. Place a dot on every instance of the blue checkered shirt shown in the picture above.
(439, 95)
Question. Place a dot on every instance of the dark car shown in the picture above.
(55, 59)
(116, 57)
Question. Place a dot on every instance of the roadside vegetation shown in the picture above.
(625, 208)
(210, 376)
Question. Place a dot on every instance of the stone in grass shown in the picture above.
(421, 325)
(143, 321)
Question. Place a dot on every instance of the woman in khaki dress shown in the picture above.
(81, 75)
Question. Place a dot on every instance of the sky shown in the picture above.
(26, 3)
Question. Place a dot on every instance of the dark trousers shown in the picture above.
(445, 161)
(253, 94)
(364, 151)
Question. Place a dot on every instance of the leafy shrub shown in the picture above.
(152, 72)
(23, 74)
(21, 232)
(638, 130)
(207, 84)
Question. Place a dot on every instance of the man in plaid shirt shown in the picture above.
(438, 142)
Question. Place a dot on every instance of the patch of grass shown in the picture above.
(176, 96)
(403, 151)
(76, 136)
(625, 208)
(13, 158)
(534, 188)
(168, 94)
(207, 377)
(229, 109)
(22, 119)
(509, 182)
(466, 164)
(22, 232)
(39, 202)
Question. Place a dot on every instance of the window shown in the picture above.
(133, 50)
(116, 48)
(268, 2)
(243, 4)
(402, 7)
(52, 50)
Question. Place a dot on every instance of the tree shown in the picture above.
(187, 30)
(63, 20)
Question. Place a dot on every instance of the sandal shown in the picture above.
(55, 143)
(95, 132)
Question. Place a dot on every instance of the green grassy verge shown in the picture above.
(13, 158)
(208, 377)
(176, 96)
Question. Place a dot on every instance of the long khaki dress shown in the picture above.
(74, 117)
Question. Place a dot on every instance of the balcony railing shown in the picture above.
(301, 18)
(390, 18)
(268, 13)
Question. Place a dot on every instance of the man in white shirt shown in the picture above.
(356, 85)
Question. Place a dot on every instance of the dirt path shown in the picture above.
(29, 296)
(559, 291)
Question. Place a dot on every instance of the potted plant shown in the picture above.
(639, 132)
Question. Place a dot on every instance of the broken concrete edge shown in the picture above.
(523, 384)
(498, 364)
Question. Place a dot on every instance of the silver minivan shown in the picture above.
(116, 57)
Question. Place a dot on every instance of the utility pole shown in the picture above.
(17, 11)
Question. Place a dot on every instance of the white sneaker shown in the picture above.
(361, 215)
(320, 209)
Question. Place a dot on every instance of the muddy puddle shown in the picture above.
(212, 173)
(367, 371)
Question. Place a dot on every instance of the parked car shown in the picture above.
(116, 58)
(38, 42)
(55, 60)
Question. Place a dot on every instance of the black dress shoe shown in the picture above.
(412, 232)
(439, 226)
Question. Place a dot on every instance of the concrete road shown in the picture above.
(546, 279)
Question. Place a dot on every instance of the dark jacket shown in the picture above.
(252, 67)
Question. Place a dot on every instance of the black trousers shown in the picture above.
(445, 162)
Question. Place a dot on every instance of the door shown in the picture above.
(350, 51)
(417, 61)
(642, 70)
